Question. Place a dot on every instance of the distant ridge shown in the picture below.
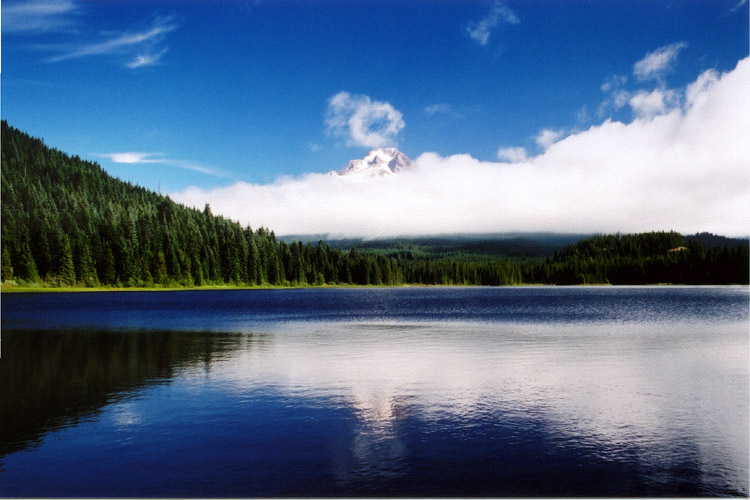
(488, 244)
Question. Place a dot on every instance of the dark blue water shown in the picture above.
(237, 310)
(554, 391)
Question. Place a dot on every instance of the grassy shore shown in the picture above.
(35, 288)
(53, 289)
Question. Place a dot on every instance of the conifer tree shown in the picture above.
(7, 267)
(65, 271)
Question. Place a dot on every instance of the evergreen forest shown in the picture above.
(66, 222)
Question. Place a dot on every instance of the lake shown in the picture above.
(531, 391)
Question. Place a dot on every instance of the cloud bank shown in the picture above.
(683, 166)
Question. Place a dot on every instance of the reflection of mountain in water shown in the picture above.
(50, 380)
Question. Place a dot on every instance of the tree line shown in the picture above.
(66, 222)
(638, 259)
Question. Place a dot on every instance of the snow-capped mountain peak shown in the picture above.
(377, 163)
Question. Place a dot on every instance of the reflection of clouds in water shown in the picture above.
(377, 444)
(613, 387)
(126, 414)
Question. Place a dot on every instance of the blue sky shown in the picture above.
(201, 96)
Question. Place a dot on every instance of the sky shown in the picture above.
(528, 115)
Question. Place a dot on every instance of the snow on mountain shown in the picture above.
(378, 162)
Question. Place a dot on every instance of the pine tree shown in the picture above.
(107, 266)
(253, 261)
(7, 267)
(66, 275)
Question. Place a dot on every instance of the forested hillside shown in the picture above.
(67, 222)
(659, 257)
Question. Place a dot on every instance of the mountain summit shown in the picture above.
(377, 163)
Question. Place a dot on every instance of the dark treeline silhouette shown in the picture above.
(657, 257)
(67, 222)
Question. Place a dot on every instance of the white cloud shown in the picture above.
(37, 16)
(649, 104)
(583, 115)
(131, 157)
(512, 155)
(195, 167)
(614, 82)
(142, 60)
(140, 48)
(548, 137)
(658, 62)
(437, 108)
(480, 31)
(138, 45)
(697, 90)
(362, 121)
(684, 170)
(135, 158)
(738, 6)
(618, 98)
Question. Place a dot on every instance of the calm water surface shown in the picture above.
(376, 392)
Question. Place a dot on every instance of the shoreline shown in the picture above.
(78, 289)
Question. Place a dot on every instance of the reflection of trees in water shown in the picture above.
(52, 379)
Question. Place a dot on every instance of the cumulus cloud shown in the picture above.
(617, 99)
(548, 137)
(685, 170)
(649, 104)
(512, 155)
(644, 103)
(620, 98)
(658, 62)
(362, 121)
(480, 31)
(697, 89)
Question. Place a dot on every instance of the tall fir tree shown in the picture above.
(66, 275)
